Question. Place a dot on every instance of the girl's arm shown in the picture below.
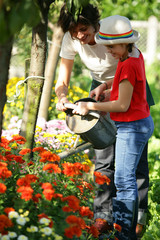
(120, 105)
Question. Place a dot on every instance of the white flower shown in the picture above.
(12, 234)
(47, 231)
(33, 229)
(13, 214)
(5, 237)
(22, 237)
(21, 221)
(44, 221)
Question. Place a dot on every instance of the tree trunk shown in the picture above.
(5, 56)
(50, 71)
(36, 80)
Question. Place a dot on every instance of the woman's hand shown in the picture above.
(81, 108)
(60, 105)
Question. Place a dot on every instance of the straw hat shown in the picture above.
(116, 29)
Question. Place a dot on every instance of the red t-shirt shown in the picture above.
(132, 69)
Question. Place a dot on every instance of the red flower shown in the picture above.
(36, 197)
(3, 158)
(73, 230)
(11, 157)
(26, 192)
(3, 188)
(67, 209)
(94, 231)
(5, 223)
(25, 151)
(76, 226)
(101, 179)
(85, 211)
(73, 202)
(117, 227)
(52, 167)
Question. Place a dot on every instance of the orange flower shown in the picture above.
(5, 223)
(48, 156)
(73, 202)
(85, 211)
(48, 193)
(117, 227)
(47, 185)
(8, 210)
(5, 173)
(101, 179)
(3, 188)
(52, 167)
(38, 149)
(26, 192)
(25, 151)
(27, 180)
(17, 138)
(4, 143)
(70, 169)
(2, 164)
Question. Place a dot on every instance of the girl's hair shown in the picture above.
(88, 16)
(130, 46)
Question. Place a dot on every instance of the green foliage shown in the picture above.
(134, 10)
(13, 16)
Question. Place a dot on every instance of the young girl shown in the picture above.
(129, 109)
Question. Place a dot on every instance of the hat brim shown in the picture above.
(134, 38)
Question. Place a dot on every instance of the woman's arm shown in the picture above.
(62, 84)
(120, 105)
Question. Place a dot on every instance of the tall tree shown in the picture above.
(37, 67)
(13, 15)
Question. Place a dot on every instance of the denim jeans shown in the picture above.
(130, 142)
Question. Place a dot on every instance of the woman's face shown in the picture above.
(118, 51)
(85, 34)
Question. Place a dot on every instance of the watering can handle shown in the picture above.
(73, 106)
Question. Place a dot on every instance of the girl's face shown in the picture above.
(118, 51)
(85, 34)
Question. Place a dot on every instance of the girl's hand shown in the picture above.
(81, 108)
(98, 92)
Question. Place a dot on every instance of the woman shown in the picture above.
(129, 110)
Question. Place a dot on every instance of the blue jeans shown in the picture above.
(130, 142)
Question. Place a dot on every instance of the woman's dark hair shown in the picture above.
(88, 16)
